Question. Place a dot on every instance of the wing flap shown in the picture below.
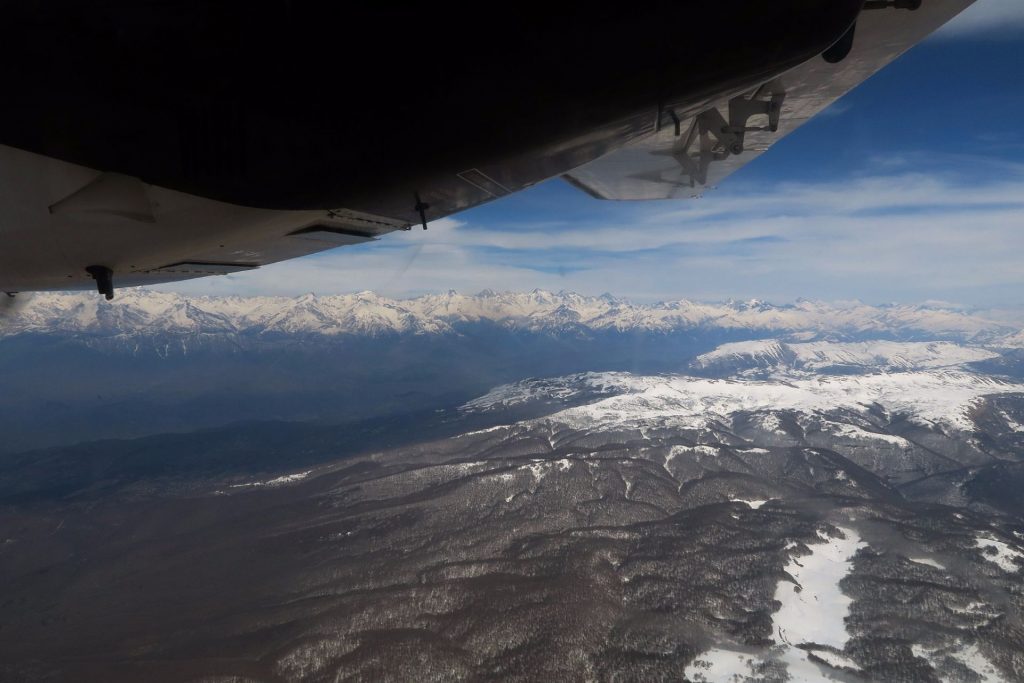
(695, 150)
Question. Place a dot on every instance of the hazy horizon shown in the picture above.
(1012, 313)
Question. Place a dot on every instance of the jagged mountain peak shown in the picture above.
(140, 312)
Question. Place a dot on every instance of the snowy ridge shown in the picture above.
(942, 398)
(937, 398)
(750, 357)
(559, 389)
(1013, 341)
(137, 311)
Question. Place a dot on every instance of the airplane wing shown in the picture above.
(696, 147)
(150, 142)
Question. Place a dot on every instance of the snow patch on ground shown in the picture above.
(835, 659)
(722, 665)
(539, 469)
(1011, 423)
(770, 422)
(483, 431)
(811, 617)
(1006, 556)
(752, 503)
(853, 432)
(814, 608)
(927, 561)
(975, 608)
(676, 451)
(968, 655)
(278, 481)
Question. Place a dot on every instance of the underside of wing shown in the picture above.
(695, 148)
(82, 228)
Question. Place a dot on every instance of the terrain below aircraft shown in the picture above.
(145, 141)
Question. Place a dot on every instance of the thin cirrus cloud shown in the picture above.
(907, 237)
(917, 197)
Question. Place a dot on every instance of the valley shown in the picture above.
(604, 525)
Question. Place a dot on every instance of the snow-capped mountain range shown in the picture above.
(930, 384)
(764, 489)
(142, 312)
(626, 401)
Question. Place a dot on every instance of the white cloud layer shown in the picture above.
(954, 232)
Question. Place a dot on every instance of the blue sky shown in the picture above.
(911, 188)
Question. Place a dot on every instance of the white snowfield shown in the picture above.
(966, 655)
(277, 481)
(854, 432)
(1008, 558)
(755, 504)
(941, 398)
(868, 355)
(928, 562)
(812, 614)
(723, 665)
(813, 609)
(366, 313)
